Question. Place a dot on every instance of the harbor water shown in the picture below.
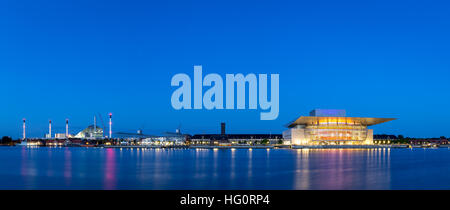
(223, 169)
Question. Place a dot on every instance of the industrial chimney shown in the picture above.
(95, 125)
(110, 125)
(67, 128)
(222, 128)
(50, 129)
(24, 129)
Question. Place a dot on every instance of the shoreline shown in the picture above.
(248, 146)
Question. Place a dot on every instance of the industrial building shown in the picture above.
(164, 140)
(91, 131)
(331, 127)
(223, 138)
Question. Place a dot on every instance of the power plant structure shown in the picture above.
(67, 128)
(24, 134)
(49, 135)
(92, 132)
(110, 125)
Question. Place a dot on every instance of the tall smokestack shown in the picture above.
(95, 124)
(110, 125)
(24, 129)
(50, 129)
(67, 128)
(222, 128)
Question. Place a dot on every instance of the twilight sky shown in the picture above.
(75, 59)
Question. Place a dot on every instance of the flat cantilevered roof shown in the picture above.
(368, 121)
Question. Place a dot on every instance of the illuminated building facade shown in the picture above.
(91, 132)
(331, 127)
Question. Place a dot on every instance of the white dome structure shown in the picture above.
(91, 132)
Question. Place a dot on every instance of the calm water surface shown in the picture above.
(98, 168)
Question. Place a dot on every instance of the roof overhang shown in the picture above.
(367, 121)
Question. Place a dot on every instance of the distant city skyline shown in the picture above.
(74, 59)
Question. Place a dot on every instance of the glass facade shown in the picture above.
(336, 129)
(331, 127)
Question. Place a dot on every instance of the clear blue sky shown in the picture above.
(73, 59)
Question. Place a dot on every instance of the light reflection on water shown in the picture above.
(110, 169)
(342, 169)
(97, 168)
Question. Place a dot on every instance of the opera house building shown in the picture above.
(331, 127)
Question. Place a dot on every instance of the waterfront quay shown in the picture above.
(322, 129)
(350, 146)
(133, 143)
